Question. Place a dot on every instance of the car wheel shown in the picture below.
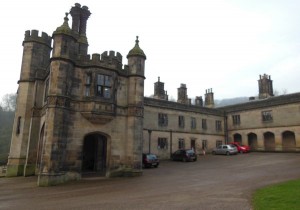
(184, 159)
(227, 153)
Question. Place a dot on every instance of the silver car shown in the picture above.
(225, 149)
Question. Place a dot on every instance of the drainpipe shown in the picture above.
(225, 128)
(149, 132)
(171, 142)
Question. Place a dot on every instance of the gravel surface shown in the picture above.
(213, 182)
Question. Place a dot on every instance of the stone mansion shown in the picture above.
(78, 114)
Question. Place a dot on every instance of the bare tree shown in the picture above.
(9, 102)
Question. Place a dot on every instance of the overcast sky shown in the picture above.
(220, 44)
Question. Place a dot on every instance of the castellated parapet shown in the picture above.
(33, 36)
(108, 59)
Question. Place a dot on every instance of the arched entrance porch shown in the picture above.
(94, 154)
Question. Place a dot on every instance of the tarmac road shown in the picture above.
(211, 183)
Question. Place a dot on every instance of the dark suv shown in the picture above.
(150, 160)
(184, 155)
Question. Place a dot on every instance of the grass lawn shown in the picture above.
(283, 196)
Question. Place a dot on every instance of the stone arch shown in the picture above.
(237, 138)
(94, 154)
(252, 141)
(288, 141)
(269, 141)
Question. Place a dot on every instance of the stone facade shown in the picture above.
(271, 124)
(79, 114)
(75, 113)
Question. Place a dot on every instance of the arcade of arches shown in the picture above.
(287, 141)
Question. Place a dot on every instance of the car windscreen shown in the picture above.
(151, 156)
(190, 152)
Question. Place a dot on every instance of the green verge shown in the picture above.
(283, 196)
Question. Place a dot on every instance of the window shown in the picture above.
(46, 90)
(87, 85)
(162, 119)
(204, 144)
(236, 119)
(181, 121)
(162, 143)
(204, 124)
(64, 47)
(267, 116)
(87, 90)
(218, 143)
(104, 86)
(88, 79)
(181, 144)
(18, 126)
(193, 123)
(218, 125)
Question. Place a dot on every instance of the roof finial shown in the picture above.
(66, 19)
(137, 40)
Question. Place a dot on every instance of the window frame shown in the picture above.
(218, 125)
(104, 86)
(236, 119)
(181, 121)
(267, 116)
(162, 119)
(204, 124)
(193, 123)
(181, 143)
(162, 143)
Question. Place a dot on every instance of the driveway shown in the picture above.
(213, 182)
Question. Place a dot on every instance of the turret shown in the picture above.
(36, 56)
(136, 75)
(64, 41)
(136, 72)
(265, 85)
(209, 98)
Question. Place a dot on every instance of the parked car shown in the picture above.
(184, 155)
(241, 148)
(150, 160)
(225, 149)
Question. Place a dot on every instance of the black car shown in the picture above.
(184, 155)
(150, 160)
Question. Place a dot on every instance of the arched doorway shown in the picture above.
(252, 141)
(288, 141)
(94, 154)
(237, 138)
(269, 141)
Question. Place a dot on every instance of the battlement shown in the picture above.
(33, 36)
(111, 55)
(108, 59)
